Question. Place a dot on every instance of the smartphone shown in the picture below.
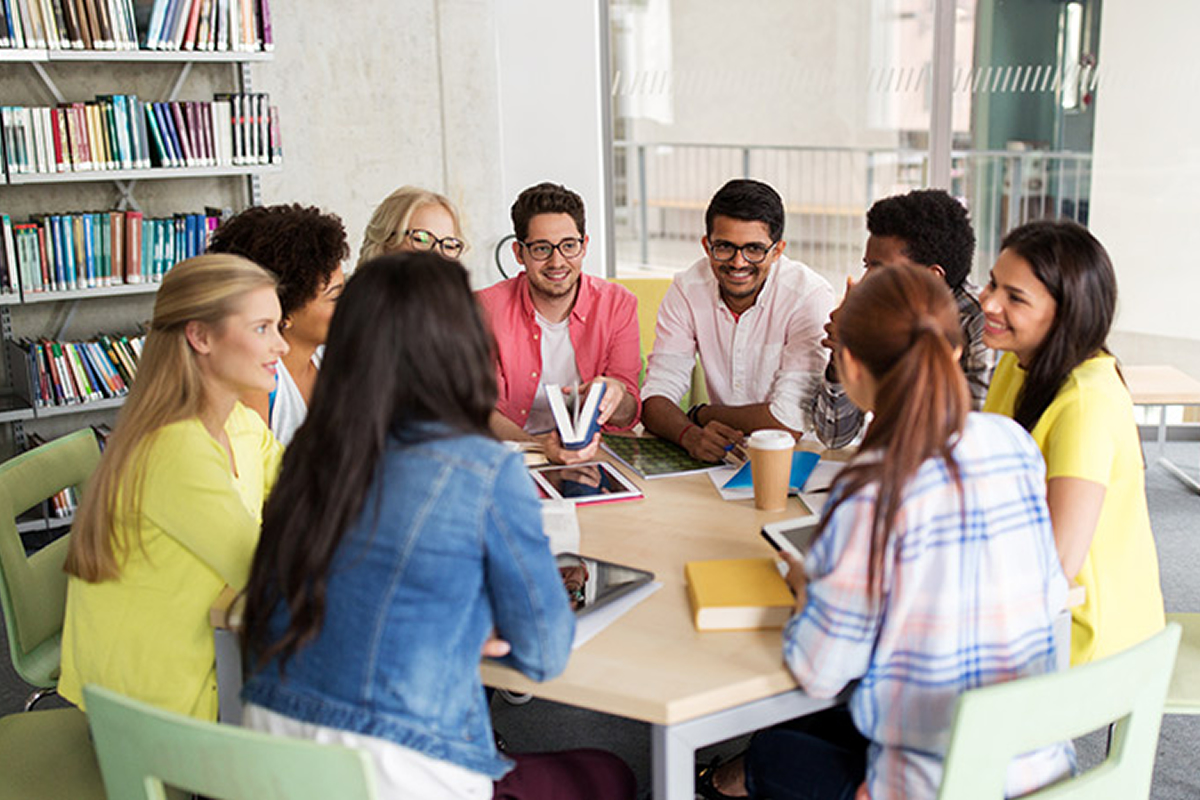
(792, 535)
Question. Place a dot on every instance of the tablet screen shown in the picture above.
(584, 483)
(794, 535)
(591, 583)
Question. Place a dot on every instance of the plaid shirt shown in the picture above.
(836, 420)
(969, 597)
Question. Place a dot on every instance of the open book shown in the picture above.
(575, 413)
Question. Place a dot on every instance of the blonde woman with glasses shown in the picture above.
(412, 219)
(172, 513)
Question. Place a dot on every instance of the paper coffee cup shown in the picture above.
(770, 467)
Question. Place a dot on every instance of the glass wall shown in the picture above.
(827, 102)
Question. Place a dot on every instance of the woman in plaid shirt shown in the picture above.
(934, 572)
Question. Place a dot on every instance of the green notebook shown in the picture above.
(652, 457)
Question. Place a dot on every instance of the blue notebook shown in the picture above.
(803, 463)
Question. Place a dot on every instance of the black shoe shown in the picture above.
(704, 782)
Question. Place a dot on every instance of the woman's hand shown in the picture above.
(796, 579)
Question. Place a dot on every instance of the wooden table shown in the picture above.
(1163, 386)
(651, 664)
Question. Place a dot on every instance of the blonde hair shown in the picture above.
(385, 231)
(169, 387)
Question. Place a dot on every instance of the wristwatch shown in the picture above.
(693, 413)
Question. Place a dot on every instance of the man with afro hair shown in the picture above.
(925, 228)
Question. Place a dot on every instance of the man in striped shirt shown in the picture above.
(926, 228)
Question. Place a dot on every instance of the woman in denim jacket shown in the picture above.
(400, 534)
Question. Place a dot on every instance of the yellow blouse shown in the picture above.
(146, 634)
(1088, 431)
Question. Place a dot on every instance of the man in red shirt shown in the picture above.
(553, 324)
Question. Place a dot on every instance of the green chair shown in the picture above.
(143, 749)
(650, 293)
(1183, 696)
(33, 591)
(47, 754)
(996, 723)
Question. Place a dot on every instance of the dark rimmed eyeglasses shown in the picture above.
(424, 240)
(542, 250)
(752, 252)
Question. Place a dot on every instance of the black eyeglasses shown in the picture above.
(424, 240)
(753, 252)
(542, 250)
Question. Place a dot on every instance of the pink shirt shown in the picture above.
(604, 333)
(769, 353)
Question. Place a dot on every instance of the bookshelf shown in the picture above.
(92, 69)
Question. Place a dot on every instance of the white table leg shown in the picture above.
(229, 676)
(673, 747)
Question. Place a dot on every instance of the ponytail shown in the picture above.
(902, 324)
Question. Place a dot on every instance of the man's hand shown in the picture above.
(495, 647)
(614, 393)
(713, 441)
(557, 454)
(831, 337)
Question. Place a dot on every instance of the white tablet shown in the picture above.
(591, 482)
(792, 535)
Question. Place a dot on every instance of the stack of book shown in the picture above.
(66, 252)
(239, 25)
(69, 373)
(68, 24)
(123, 132)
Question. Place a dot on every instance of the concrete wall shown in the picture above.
(373, 97)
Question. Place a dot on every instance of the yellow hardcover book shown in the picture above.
(737, 594)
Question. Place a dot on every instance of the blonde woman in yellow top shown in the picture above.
(1050, 303)
(412, 219)
(172, 513)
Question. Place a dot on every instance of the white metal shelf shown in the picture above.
(153, 173)
(28, 56)
(123, 289)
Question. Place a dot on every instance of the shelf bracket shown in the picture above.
(72, 307)
(49, 82)
(184, 71)
(126, 201)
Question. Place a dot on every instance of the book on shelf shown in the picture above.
(68, 252)
(123, 132)
(737, 594)
(68, 24)
(208, 25)
(70, 373)
(201, 25)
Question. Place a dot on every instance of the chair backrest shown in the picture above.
(33, 590)
(650, 293)
(994, 724)
(143, 749)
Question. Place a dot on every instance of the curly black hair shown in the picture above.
(300, 244)
(934, 226)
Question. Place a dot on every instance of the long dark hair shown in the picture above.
(406, 345)
(1076, 270)
(902, 324)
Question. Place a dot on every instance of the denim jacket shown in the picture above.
(449, 544)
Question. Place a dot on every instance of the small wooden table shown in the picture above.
(1164, 386)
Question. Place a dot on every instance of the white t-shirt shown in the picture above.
(400, 773)
(288, 408)
(558, 366)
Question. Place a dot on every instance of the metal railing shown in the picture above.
(662, 189)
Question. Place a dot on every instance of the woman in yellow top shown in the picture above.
(172, 513)
(1050, 303)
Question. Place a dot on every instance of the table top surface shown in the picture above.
(1151, 385)
(652, 664)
